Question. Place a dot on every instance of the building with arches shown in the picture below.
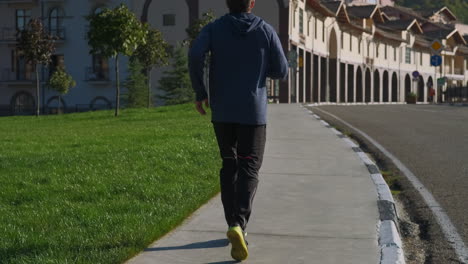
(367, 53)
(348, 52)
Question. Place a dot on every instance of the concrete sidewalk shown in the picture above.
(316, 203)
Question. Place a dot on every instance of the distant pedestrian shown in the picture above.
(245, 50)
(431, 95)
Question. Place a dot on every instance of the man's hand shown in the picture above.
(199, 106)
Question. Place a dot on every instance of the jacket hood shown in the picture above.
(243, 23)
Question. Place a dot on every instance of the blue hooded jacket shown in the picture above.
(244, 51)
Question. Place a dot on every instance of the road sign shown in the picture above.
(436, 60)
(441, 81)
(292, 58)
(416, 74)
(437, 46)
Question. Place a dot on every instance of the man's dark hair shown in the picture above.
(238, 6)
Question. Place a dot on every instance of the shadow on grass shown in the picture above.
(198, 245)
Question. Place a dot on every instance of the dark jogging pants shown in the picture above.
(241, 148)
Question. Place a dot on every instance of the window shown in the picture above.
(359, 46)
(315, 28)
(169, 20)
(57, 61)
(368, 49)
(323, 31)
(98, 10)
(408, 56)
(385, 52)
(301, 21)
(377, 50)
(55, 23)
(100, 69)
(22, 18)
(350, 42)
(394, 53)
(342, 40)
(421, 58)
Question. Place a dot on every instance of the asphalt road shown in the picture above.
(431, 140)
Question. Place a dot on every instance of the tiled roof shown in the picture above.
(364, 11)
(438, 34)
(397, 24)
(333, 6)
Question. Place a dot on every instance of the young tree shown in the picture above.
(37, 47)
(176, 82)
(61, 82)
(197, 26)
(152, 54)
(136, 85)
(113, 32)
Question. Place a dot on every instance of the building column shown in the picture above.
(389, 87)
(338, 80)
(372, 73)
(311, 72)
(355, 68)
(381, 86)
(319, 76)
(327, 87)
(346, 82)
(304, 70)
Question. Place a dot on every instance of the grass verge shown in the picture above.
(91, 188)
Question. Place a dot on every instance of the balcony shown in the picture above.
(8, 35)
(10, 76)
(18, 1)
(97, 76)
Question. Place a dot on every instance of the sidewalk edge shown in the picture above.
(389, 235)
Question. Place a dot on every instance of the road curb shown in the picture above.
(389, 236)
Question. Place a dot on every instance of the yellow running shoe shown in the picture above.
(239, 249)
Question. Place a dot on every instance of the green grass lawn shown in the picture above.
(92, 188)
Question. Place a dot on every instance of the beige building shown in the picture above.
(370, 53)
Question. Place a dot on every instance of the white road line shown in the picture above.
(450, 231)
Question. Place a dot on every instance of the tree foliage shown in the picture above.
(113, 32)
(61, 81)
(153, 53)
(37, 48)
(136, 85)
(459, 7)
(175, 82)
(197, 26)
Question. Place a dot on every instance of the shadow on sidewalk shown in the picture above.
(217, 243)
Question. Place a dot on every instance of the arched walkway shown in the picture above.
(429, 85)
(386, 92)
(100, 103)
(420, 89)
(359, 88)
(368, 86)
(395, 87)
(53, 105)
(407, 85)
(351, 83)
(22, 103)
(332, 66)
(376, 86)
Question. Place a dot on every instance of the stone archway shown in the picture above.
(394, 87)
(368, 86)
(22, 103)
(100, 103)
(386, 87)
(421, 88)
(359, 88)
(351, 82)
(332, 66)
(53, 105)
(376, 86)
(407, 85)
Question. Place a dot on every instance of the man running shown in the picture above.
(244, 51)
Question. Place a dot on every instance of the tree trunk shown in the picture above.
(148, 73)
(117, 91)
(38, 107)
